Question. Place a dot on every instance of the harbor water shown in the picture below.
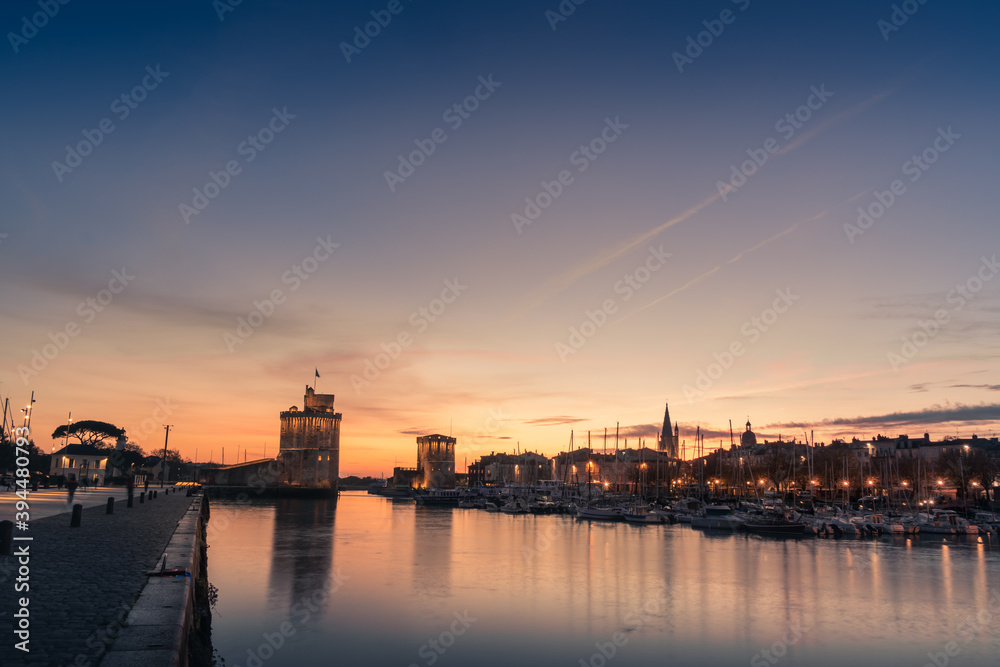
(372, 581)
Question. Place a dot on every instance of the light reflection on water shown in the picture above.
(372, 581)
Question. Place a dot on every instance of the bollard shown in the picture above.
(142, 497)
(128, 503)
(77, 515)
(111, 506)
(6, 538)
(189, 492)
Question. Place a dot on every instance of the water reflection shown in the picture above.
(551, 590)
(301, 554)
(431, 571)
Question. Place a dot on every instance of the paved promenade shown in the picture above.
(48, 502)
(83, 580)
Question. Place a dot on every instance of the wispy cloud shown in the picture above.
(936, 414)
(988, 387)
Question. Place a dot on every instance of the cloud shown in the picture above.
(936, 414)
(640, 431)
(988, 387)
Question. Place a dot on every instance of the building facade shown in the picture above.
(85, 462)
(309, 450)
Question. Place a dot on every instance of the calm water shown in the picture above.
(376, 582)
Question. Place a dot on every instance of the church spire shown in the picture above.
(668, 437)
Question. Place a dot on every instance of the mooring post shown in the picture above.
(6, 538)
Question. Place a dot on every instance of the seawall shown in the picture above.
(83, 582)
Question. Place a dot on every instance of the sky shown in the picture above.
(507, 222)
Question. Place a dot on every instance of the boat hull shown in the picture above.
(775, 528)
(598, 514)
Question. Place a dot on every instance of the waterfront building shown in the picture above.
(309, 449)
(86, 462)
(525, 468)
(402, 476)
(436, 462)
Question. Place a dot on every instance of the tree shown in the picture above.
(983, 469)
(174, 462)
(125, 459)
(89, 432)
(38, 461)
(777, 467)
(952, 466)
(962, 468)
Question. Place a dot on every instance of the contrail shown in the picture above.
(562, 282)
(735, 258)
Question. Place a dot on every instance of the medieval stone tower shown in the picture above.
(310, 442)
(436, 462)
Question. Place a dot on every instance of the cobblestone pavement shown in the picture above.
(83, 580)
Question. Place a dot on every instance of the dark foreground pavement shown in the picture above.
(83, 580)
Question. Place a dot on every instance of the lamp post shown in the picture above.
(163, 479)
(27, 412)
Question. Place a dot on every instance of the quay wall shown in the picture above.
(170, 623)
(84, 581)
(242, 493)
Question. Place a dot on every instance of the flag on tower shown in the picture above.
(317, 372)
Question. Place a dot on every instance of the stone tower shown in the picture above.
(310, 442)
(436, 462)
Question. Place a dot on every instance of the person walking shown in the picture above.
(145, 488)
(71, 487)
(130, 487)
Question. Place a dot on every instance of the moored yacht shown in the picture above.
(718, 517)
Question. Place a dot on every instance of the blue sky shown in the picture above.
(495, 348)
